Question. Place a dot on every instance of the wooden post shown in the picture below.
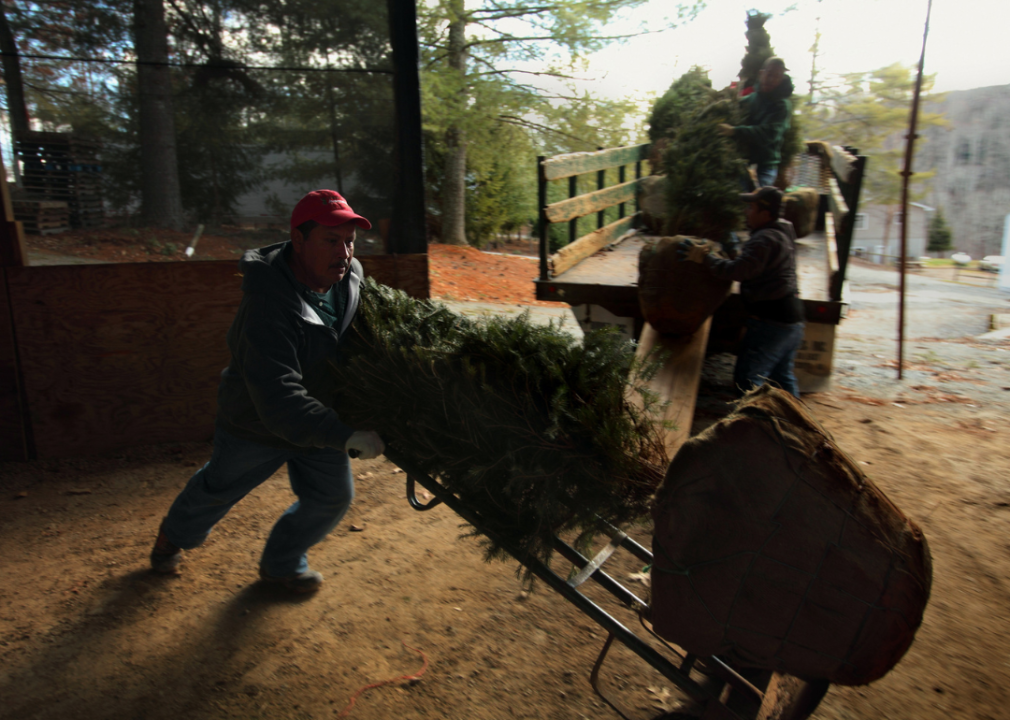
(620, 181)
(15, 429)
(542, 222)
(601, 182)
(638, 176)
(573, 224)
(12, 237)
(408, 229)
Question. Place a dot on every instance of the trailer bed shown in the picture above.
(609, 278)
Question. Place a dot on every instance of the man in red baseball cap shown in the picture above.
(275, 400)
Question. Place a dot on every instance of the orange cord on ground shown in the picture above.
(415, 676)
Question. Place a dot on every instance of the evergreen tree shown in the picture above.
(870, 112)
(685, 96)
(702, 167)
(759, 48)
(703, 170)
(467, 49)
(940, 238)
(534, 430)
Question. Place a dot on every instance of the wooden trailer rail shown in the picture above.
(576, 206)
(843, 170)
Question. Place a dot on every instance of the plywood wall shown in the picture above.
(120, 355)
(114, 356)
(13, 443)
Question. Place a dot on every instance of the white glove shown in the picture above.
(365, 444)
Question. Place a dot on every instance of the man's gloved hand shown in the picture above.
(726, 130)
(365, 444)
(692, 252)
(731, 245)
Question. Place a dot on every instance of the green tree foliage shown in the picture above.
(940, 239)
(335, 124)
(870, 112)
(702, 167)
(541, 435)
(488, 50)
(759, 48)
(703, 170)
(685, 96)
(331, 124)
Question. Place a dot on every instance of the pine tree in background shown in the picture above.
(940, 239)
(536, 432)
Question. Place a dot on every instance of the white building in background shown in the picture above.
(1004, 271)
(874, 240)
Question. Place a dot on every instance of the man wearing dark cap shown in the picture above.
(767, 114)
(765, 267)
(275, 397)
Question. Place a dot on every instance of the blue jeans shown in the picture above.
(321, 479)
(767, 354)
(766, 174)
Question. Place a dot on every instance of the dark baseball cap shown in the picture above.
(768, 198)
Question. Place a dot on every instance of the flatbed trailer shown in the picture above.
(597, 274)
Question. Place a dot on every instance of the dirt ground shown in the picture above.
(88, 632)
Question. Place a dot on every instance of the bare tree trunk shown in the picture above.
(16, 105)
(161, 198)
(454, 194)
(335, 137)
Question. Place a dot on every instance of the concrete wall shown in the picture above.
(971, 158)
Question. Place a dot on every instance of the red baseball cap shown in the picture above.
(326, 207)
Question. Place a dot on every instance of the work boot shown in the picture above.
(165, 557)
(302, 583)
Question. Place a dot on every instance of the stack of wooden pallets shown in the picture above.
(41, 217)
(63, 167)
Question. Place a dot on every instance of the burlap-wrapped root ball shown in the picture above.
(773, 550)
(651, 198)
(677, 296)
(800, 208)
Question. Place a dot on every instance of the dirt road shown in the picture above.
(87, 632)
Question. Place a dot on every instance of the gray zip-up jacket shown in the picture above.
(766, 265)
(278, 389)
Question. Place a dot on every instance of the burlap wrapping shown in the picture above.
(800, 208)
(773, 550)
(651, 199)
(677, 296)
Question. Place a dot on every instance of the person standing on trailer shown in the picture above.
(768, 114)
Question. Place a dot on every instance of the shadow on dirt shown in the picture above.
(84, 666)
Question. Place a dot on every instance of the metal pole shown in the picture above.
(906, 174)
